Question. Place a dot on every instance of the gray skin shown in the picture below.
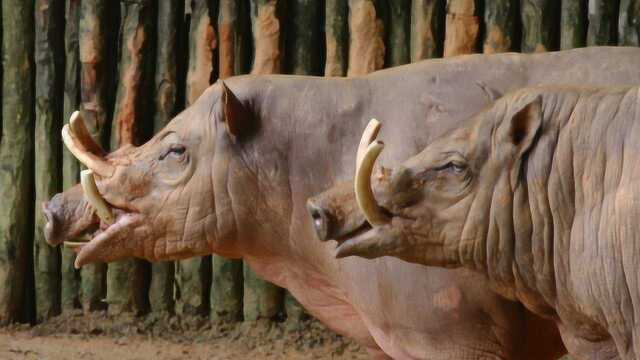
(243, 194)
(539, 193)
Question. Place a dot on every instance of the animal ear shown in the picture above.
(524, 124)
(520, 131)
(237, 117)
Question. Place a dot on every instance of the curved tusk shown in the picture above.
(90, 159)
(368, 135)
(362, 186)
(79, 129)
(93, 196)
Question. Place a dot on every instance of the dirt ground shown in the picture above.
(98, 336)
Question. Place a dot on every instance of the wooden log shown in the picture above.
(629, 23)
(70, 277)
(399, 32)
(261, 299)
(16, 156)
(603, 22)
(303, 36)
(194, 275)
(500, 18)
(49, 55)
(540, 25)
(125, 279)
(94, 102)
(170, 21)
(226, 275)
(573, 24)
(337, 37)
(462, 28)
(427, 29)
(366, 47)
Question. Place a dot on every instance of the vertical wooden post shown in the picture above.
(49, 55)
(573, 24)
(427, 29)
(399, 25)
(337, 37)
(16, 155)
(70, 293)
(603, 22)
(263, 300)
(227, 282)
(366, 46)
(91, 40)
(629, 23)
(170, 21)
(303, 37)
(125, 279)
(462, 28)
(500, 19)
(540, 24)
(194, 275)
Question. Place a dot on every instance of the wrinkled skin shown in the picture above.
(539, 193)
(244, 195)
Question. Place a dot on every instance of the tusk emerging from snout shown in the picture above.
(77, 139)
(93, 196)
(362, 186)
(368, 135)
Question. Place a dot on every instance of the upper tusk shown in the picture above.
(368, 135)
(79, 129)
(90, 159)
(90, 189)
(362, 186)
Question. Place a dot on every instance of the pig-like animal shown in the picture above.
(232, 173)
(540, 193)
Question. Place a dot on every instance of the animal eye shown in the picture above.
(175, 150)
(453, 166)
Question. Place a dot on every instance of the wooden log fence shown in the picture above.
(130, 66)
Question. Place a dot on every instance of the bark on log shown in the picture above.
(125, 279)
(400, 21)
(573, 24)
(170, 22)
(540, 24)
(337, 37)
(226, 275)
(261, 299)
(629, 23)
(16, 156)
(366, 47)
(462, 28)
(500, 20)
(70, 292)
(93, 77)
(603, 22)
(194, 275)
(427, 29)
(49, 56)
(303, 37)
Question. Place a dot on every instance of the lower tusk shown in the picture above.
(96, 200)
(362, 186)
(368, 135)
(74, 244)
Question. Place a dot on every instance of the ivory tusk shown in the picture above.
(93, 196)
(362, 186)
(79, 129)
(88, 158)
(368, 135)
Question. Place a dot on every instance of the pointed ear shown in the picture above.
(237, 117)
(520, 130)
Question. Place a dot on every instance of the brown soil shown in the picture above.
(98, 336)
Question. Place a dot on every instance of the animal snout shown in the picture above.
(50, 228)
(320, 219)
